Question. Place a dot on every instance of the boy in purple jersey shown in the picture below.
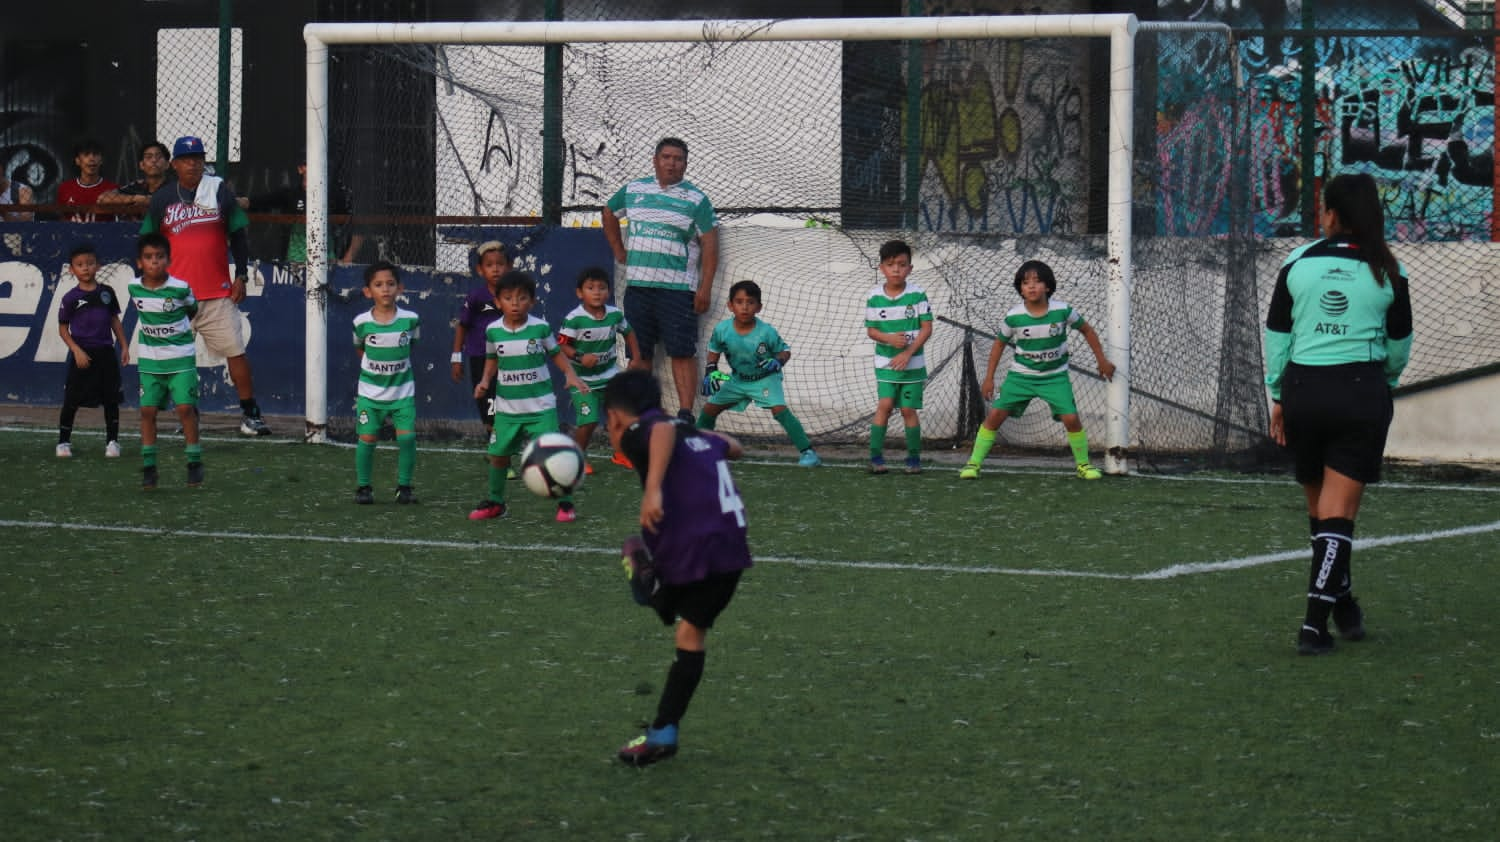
(693, 524)
(478, 311)
(88, 319)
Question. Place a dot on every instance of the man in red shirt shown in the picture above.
(88, 186)
(204, 223)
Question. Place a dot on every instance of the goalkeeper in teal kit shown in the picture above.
(756, 354)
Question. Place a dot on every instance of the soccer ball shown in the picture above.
(552, 465)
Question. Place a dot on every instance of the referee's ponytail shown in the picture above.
(1356, 200)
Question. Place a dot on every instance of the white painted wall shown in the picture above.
(1458, 423)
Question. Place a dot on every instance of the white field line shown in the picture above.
(1171, 572)
(856, 465)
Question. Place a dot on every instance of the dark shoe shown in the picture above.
(1310, 641)
(195, 474)
(877, 465)
(655, 744)
(913, 465)
(364, 495)
(405, 496)
(1349, 618)
(148, 479)
(253, 425)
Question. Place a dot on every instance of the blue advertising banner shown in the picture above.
(34, 277)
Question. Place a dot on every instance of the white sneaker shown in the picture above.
(112, 450)
(64, 450)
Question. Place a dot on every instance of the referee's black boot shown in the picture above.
(1349, 618)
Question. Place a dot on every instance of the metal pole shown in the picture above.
(1309, 120)
(221, 136)
(315, 358)
(913, 141)
(552, 124)
(1121, 131)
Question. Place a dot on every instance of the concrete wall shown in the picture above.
(1458, 423)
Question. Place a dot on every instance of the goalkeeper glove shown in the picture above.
(770, 365)
(712, 382)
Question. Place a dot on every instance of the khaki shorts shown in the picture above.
(218, 325)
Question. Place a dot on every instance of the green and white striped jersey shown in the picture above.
(1040, 343)
(523, 383)
(164, 336)
(385, 372)
(665, 223)
(902, 314)
(595, 336)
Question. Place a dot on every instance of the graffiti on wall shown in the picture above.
(1416, 113)
(1004, 128)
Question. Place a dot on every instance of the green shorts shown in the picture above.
(588, 408)
(370, 415)
(511, 432)
(907, 395)
(180, 386)
(738, 394)
(1018, 390)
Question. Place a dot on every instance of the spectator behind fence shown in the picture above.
(88, 186)
(293, 199)
(13, 192)
(155, 164)
(204, 223)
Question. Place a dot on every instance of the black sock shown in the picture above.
(682, 681)
(1329, 574)
(65, 423)
(111, 422)
(250, 407)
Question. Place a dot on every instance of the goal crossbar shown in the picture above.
(1120, 29)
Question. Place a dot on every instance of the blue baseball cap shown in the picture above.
(187, 146)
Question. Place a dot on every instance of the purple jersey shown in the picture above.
(702, 531)
(90, 315)
(478, 312)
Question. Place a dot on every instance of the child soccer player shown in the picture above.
(693, 522)
(89, 322)
(587, 339)
(1038, 329)
(478, 311)
(518, 347)
(756, 356)
(899, 319)
(166, 357)
(384, 337)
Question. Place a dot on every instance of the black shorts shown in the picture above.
(700, 603)
(98, 384)
(1336, 417)
(662, 315)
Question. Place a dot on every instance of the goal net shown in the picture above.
(981, 141)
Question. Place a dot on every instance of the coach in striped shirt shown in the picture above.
(669, 264)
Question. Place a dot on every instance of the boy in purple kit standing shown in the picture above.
(89, 322)
(478, 311)
(693, 535)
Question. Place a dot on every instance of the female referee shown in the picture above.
(1337, 337)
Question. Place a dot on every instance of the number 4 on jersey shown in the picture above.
(729, 496)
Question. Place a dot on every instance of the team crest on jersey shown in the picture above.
(533, 346)
(405, 339)
(364, 416)
(762, 351)
(168, 305)
(911, 312)
(1056, 329)
(585, 409)
(104, 297)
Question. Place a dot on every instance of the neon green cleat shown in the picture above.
(969, 471)
(1087, 471)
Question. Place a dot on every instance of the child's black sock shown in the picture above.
(111, 422)
(250, 408)
(682, 681)
(65, 423)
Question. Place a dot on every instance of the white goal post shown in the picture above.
(1119, 29)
